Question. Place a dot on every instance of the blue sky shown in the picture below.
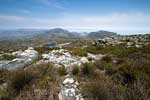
(122, 16)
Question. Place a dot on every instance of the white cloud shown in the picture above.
(10, 18)
(121, 23)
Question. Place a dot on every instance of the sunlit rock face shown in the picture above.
(29, 53)
(63, 57)
(69, 87)
(24, 58)
(70, 90)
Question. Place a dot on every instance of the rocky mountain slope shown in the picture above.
(20, 33)
(39, 34)
(57, 33)
(100, 34)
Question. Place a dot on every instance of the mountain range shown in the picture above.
(50, 34)
(100, 34)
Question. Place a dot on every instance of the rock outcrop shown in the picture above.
(70, 90)
(23, 59)
(63, 57)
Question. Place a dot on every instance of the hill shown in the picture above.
(100, 34)
(58, 33)
(20, 34)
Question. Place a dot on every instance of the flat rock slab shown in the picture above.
(70, 90)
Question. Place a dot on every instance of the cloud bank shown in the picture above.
(123, 23)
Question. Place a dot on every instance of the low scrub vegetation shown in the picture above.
(20, 79)
(7, 57)
(62, 71)
(75, 70)
(45, 49)
(87, 69)
(123, 74)
(94, 49)
(4, 95)
(100, 88)
(23, 82)
(79, 52)
(137, 91)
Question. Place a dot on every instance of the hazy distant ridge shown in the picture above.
(100, 34)
(50, 34)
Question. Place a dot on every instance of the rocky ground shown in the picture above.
(69, 88)
(23, 58)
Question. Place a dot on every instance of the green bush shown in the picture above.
(4, 75)
(20, 79)
(79, 52)
(45, 49)
(46, 74)
(90, 59)
(62, 71)
(99, 64)
(37, 59)
(122, 51)
(101, 88)
(88, 69)
(7, 57)
(137, 91)
(107, 59)
(119, 61)
(107, 65)
(75, 70)
(93, 49)
(4, 95)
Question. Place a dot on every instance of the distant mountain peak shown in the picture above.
(100, 34)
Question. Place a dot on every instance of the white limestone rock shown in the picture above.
(69, 90)
(63, 57)
(23, 59)
(68, 80)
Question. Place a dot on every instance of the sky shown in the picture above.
(121, 16)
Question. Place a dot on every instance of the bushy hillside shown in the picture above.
(101, 34)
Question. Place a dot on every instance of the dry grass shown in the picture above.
(100, 88)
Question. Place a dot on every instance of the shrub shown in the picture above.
(88, 69)
(99, 64)
(79, 52)
(119, 61)
(7, 57)
(137, 91)
(20, 79)
(62, 71)
(45, 49)
(90, 59)
(93, 49)
(37, 59)
(75, 70)
(45, 69)
(110, 68)
(126, 73)
(4, 75)
(46, 74)
(121, 51)
(107, 59)
(4, 95)
(101, 88)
